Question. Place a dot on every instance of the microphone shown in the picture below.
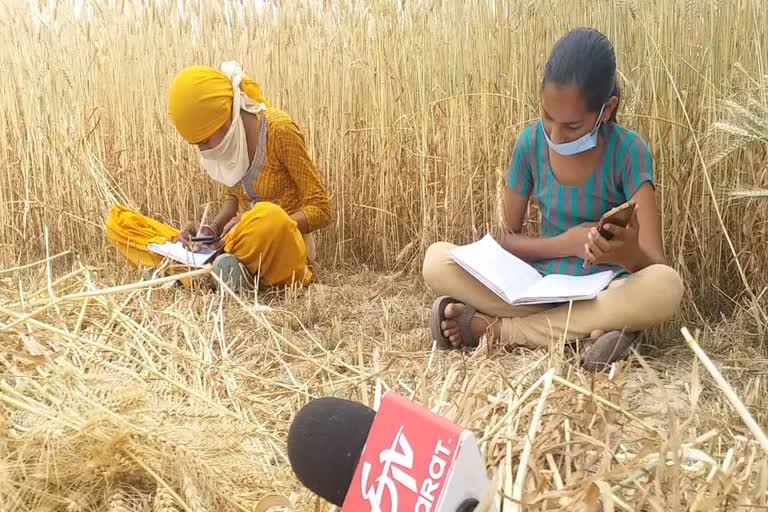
(401, 458)
(325, 441)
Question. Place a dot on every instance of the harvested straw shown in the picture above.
(733, 398)
(130, 397)
(193, 415)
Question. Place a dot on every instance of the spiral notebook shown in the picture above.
(518, 283)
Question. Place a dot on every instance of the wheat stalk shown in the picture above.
(163, 502)
(118, 502)
(390, 204)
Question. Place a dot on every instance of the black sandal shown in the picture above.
(610, 347)
(437, 317)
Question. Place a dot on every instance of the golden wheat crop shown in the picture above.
(410, 114)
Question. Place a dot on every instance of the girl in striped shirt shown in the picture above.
(578, 163)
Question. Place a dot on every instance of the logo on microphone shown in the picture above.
(396, 460)
(406, 460)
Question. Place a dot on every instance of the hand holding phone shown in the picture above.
(194, 237)
(206, 238)
(619, 216)
(601, 246)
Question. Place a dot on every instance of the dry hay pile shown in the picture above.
(158, 399)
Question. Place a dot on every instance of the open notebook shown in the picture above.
(518, 283)
(177, 252)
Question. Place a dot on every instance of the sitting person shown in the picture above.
(260, 155)
(579, 163)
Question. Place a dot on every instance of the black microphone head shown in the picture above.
(325, 441)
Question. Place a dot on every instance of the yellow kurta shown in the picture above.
(289, 177)
(267, 241)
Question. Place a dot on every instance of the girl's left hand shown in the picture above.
(622, 249)
(229, 226)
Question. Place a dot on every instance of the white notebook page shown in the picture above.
(177, 252)
(559, 286)
(499, 270)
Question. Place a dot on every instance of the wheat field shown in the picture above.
(118, 396)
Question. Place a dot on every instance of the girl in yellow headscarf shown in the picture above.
(260, 155)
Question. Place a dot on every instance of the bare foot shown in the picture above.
(478, 325)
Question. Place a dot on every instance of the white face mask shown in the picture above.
(228, 162)
(584, 143)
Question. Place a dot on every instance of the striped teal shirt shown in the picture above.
(626, 165)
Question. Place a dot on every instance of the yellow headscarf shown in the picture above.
(200, 101)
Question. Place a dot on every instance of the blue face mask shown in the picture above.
(580, 145)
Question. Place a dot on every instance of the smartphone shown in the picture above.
(203, 239)
(619, 216)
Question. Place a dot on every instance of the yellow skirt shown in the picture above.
(267, 241)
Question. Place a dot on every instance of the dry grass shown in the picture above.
(118, 400)
(168, 400)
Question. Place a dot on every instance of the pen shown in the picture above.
(194, 246)
(202, 220)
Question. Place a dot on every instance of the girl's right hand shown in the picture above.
(185, 237)
(192, 229)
